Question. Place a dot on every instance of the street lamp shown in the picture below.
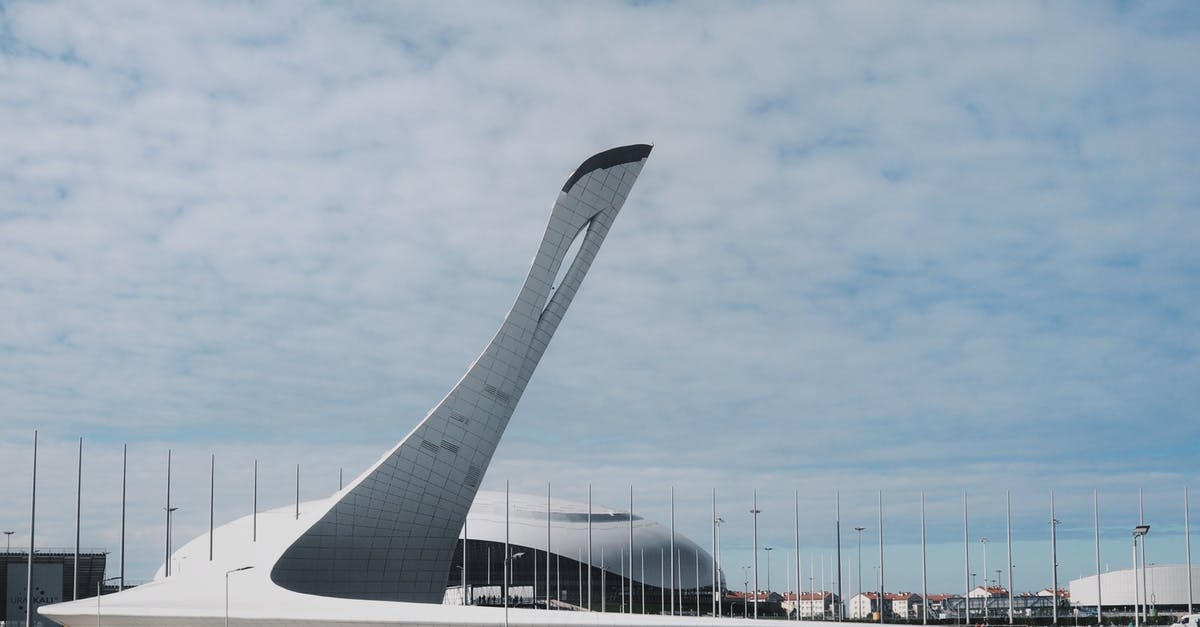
(235, 570)
(746, 591)
(860, 530)
(167, 560)
(8, 541)
(1054, 523)
(1139, 531)
(507, 567)
(99, 584)
(984, 542)
(754, 511)
(768, 549)
(716, 565)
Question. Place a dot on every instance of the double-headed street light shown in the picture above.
(1139, 531)
(860, 530)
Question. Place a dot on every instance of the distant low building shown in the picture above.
(810, 604)
(1167, 585)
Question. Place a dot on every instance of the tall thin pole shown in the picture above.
(589, 550)
(1008, 532)
(124, 467)
(32, 520)
(1145, 589)
(167, 546)
(881, 585)
(254, 506)
(508, 553)
(642, 555)
(755, 512)
(838, 514)
(672, 550)
(1136, 610)
(548, 549)
(78, 502)
(1054, 558)
(1099, 588)
(924, 570)
(1187, 535)
(713, 596)
(631, 548)
(463, 580)
(799, 566)
(212, 497)
(966, 565)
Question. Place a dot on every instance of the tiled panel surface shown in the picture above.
(392, 534)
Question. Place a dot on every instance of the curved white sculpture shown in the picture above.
(390, 534)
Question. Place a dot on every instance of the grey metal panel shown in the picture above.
(392, 534)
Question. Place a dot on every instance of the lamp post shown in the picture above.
(99, 584)
(235, 570)
(717, 566)
(1139, 531)
(984, 542)
(860, 530)
(746, 591)
(1054, 522)
(754, 511)
(8, 541)
(768, 549)
(507, 568)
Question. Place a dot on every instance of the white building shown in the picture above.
(1162, 586)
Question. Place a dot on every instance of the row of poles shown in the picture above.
(1139, 534)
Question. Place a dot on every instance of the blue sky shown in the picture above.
(879, 246)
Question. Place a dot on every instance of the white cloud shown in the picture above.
(920, 247)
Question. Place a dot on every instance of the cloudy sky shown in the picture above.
(878, 247)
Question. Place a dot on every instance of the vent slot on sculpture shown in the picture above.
(568, 260)
(474, 474)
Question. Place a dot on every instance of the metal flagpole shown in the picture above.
(799, 568)
(631, 548)
(1187, 534)
(212, 496)
(966, 566)
(254, 506)
(78, 501)
(881, 586)
(1008, 530)
(466, 597)
(838, 513)
(124, 467)
(924, 581)
(548, 544)
(1099, 588)
(504, 577)
(713, 595)
(672, 550)
(32, 520)
(589, 551)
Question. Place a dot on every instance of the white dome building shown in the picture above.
(1165, 588)
(558, 539)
